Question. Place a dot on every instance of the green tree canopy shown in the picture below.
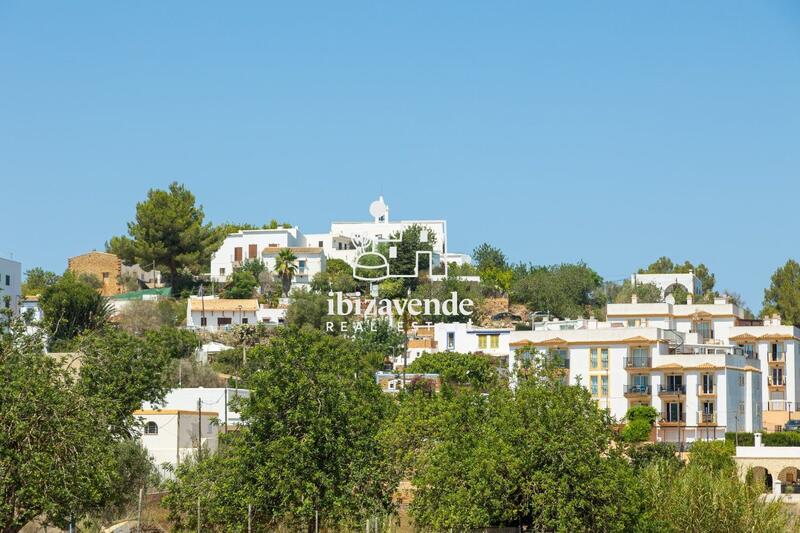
(241, 285)
(565, 290)
(169, 230)
(454, 368)
(783, 294)
(71, 307)
(37, 280)
(308, 444)
(487, 256)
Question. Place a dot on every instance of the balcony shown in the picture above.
(705, 390)
(671, 391)
(638, 363)
(776, 359)
(673, 420)
(776, 384)
(706, 419)
(635, 391)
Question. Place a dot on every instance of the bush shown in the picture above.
(780, 438)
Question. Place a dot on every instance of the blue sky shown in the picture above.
(611, 133)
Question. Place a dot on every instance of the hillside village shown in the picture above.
(190, 330)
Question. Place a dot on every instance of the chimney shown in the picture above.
(720, 300)
(634, 299)
(690, 298)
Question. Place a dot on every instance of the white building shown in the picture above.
(312, 250)
(668, 282)
(457, 337)
(211, 313)
(10, 284)
(221, 400)
(170, 436)
(206, 353)
(701, 391)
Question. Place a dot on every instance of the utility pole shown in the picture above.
(226, 407)
(249, 517)
(139, 512)
(199, 425)
(202, 292)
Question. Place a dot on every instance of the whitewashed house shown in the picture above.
(211, 313)
(456, 337)
(221, 400)
(171, 436)
(10, 284)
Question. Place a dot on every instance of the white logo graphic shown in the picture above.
(378, 268)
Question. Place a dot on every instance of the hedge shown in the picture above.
(781, 438)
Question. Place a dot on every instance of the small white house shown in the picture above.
(170, 436)
(213, 313)
(221, 400)
(10, 283)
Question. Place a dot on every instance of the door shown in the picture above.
(708, 383)
(675, 382)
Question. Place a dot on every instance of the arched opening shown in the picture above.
(760, 477)
(151, 428)
(678, 291)
(789, 480)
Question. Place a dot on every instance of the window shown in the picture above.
(559, 357)
(494, 341)
(320, 244)
(599, 386)
(675, 383)
(8, 280)
(151, 428)
(451, 340)
(105, 275)
(237, 253)
(244, 320)
(634, 322)
(252, 251)
(777, 376)
(223, 321)
(482, 341)
(302, 264)
(674, 412)
(222, 271)
(708, 384)
(776, 352)
(749, 349)
(704, 330)
(203, 321)
(598, 358)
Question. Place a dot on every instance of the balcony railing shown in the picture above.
(637, 390)
(706, 418)
(778, 357)
(671, 389)
(706, 390)
(674, 419)
(638, 362)
(779, 382)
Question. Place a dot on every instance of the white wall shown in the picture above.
(213, 399)
(10, 283)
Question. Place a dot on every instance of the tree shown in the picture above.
(414, 238)
(57, 459)
(37, 280)
(308, 444)
(475, 370)
(565, 290)
(242, 285)
(640, 423)
(646, 293)
(540, 457)
(664, 265)
(139, 316)
(285, 267)
(123, 247)
(487, 256)
(71, 307)
(783, 294)
(92, 280)
(311, 309)
(119, 371)
(169, 230)
(497, 280)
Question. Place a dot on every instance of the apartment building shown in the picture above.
(10, 284)
(340, 242)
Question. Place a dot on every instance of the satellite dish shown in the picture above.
(378, 208)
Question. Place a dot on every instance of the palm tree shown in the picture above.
(285, 268)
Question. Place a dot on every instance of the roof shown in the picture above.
(223, 304)
(31, 298)
(93, 252)
(145, 412)
(293, 249)
(137, 295)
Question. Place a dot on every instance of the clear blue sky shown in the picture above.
(606, 132)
